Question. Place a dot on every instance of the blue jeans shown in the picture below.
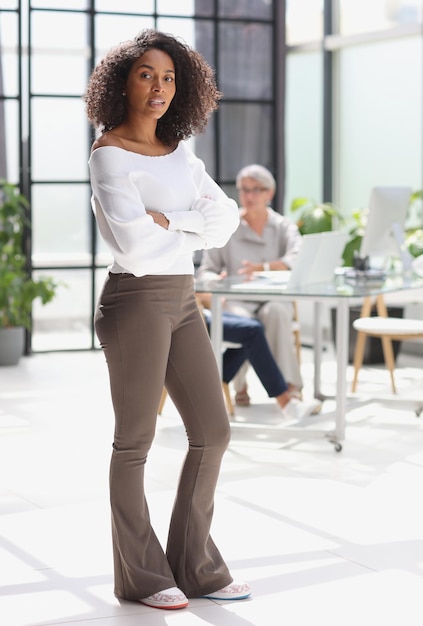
(250, 334)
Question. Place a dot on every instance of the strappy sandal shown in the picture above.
(242, 398)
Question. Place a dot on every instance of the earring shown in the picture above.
(123, 93)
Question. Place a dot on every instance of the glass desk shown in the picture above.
(338, 294)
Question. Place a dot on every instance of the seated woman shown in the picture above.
(249, 333)
(264, 240)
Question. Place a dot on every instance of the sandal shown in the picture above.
(242, 398)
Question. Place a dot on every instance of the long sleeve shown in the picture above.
(125, 185)
(213, 215)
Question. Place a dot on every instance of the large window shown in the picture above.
(48, 48)
(10, 88)
(304, 137)
(379, 135)
(354, 99)
(352, 92)
(359, 16)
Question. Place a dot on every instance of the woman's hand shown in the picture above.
(159, 218)
(248, 268)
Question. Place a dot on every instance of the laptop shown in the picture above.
(319, 256)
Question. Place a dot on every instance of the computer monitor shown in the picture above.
(388, 207)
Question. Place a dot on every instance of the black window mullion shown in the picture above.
(93, 229)
(327, 157)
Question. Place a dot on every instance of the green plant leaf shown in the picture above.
(18, 289)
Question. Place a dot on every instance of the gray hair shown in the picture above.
(259, 173)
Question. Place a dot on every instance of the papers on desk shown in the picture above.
(265, 280)
(279, 276)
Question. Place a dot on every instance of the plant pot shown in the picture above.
(12, 343)
(373, 353)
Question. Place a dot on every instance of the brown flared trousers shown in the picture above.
(152, 334)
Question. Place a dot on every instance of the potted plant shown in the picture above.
(317, 218)
(413, 230)
(314, 217)
(414, 225)
(18, 289)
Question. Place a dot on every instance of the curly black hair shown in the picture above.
(196, 93)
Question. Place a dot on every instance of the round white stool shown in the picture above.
(388, 329)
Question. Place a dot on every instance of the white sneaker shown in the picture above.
(233, 591)
(172, 598)
(296, 409)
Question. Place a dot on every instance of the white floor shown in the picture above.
(323, 537)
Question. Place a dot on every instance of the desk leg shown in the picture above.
(317, 350)
(342, 333)
(216, 329)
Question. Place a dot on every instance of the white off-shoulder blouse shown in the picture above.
(126, 184)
